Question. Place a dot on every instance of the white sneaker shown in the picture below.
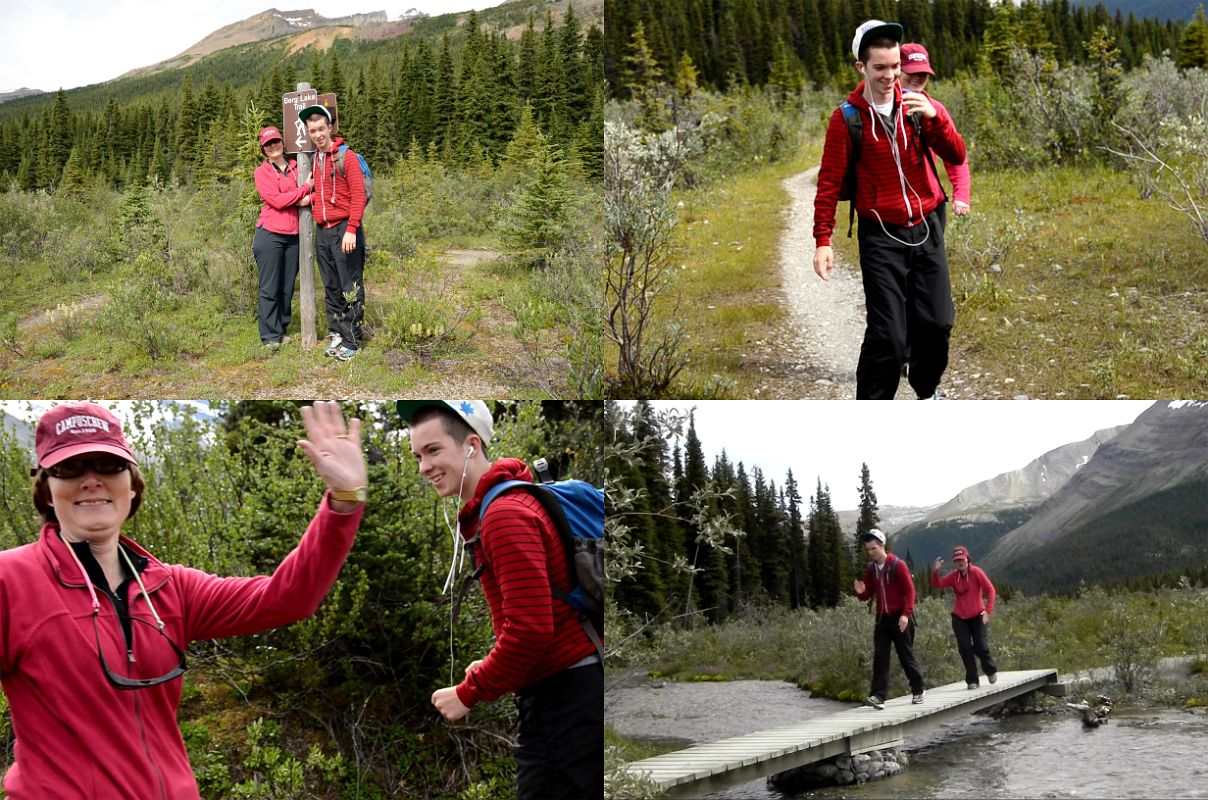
(334, 345)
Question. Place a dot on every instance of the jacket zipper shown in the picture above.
(138, 716)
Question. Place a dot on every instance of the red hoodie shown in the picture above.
(338, 197)
(535, 635)
(969, 591)
(280, 193)
(77, 735)
(879, 191)
(893, 587)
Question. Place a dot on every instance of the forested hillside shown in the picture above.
(770, 41)
(455, 90)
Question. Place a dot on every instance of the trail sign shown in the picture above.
(292, 128)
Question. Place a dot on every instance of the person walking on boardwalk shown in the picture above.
(888, 583)
(974, 605)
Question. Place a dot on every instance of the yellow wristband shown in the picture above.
(357, 495)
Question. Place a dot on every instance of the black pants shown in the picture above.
(277, 264)
(885, 632)
(560, 750)
(343, 282)
(971, 641)
(908, 296)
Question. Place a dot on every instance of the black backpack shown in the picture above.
(855, 133)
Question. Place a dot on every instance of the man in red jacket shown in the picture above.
(887, 580)
(907, 290)
(541, 652)
(338, 205)
(974, 604)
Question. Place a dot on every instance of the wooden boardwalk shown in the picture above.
(712, 767)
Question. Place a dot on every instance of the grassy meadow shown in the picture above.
(152, 293)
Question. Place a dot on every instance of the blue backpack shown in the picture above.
(577, 509)
(366, 175)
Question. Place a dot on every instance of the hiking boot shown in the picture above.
(918, 698)
(334, 345)
(971, 686)
(272, 347)
(875, 702)
(284, 340)
(992, 677)
(346, 353)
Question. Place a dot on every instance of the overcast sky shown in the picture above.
(50, 44)
(918, 454)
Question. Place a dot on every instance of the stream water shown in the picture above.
(1138, 753)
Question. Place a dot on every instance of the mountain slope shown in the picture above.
(17, 94)
(273, 23)
(980, 515)
(1139, 506)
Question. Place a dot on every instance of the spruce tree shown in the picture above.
(74, 177)
(59, 140)
(869, 518)
(1193, 46)
(799, 576)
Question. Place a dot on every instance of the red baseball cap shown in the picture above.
(268, 134)
(70, 429)
(915, 59)
(960, 551)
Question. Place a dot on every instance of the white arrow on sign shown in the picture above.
(302, 138)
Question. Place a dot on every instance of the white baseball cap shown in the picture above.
(876, 534)
(473, 412)
(873, 29)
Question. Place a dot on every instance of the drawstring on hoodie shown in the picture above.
(875, 118)
(459, 557)
(335, 189)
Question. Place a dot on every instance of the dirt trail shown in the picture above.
(827, 318)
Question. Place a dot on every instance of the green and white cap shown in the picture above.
(473, 412)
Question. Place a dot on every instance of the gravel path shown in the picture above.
(828, 318)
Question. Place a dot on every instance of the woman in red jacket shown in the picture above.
(93, 627)
(974, 605)
(275, 243)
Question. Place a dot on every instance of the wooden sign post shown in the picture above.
(296, 141)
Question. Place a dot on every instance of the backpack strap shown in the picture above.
(855, 132)
(554, 508)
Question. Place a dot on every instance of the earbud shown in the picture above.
(470, 452)
(861, 70)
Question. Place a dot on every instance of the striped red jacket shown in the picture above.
(535, 635)
(879, 191)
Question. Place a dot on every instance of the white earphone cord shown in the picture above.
(455, 566)
(897, 160)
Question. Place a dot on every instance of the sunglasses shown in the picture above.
(121, 681)
(101, 465)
